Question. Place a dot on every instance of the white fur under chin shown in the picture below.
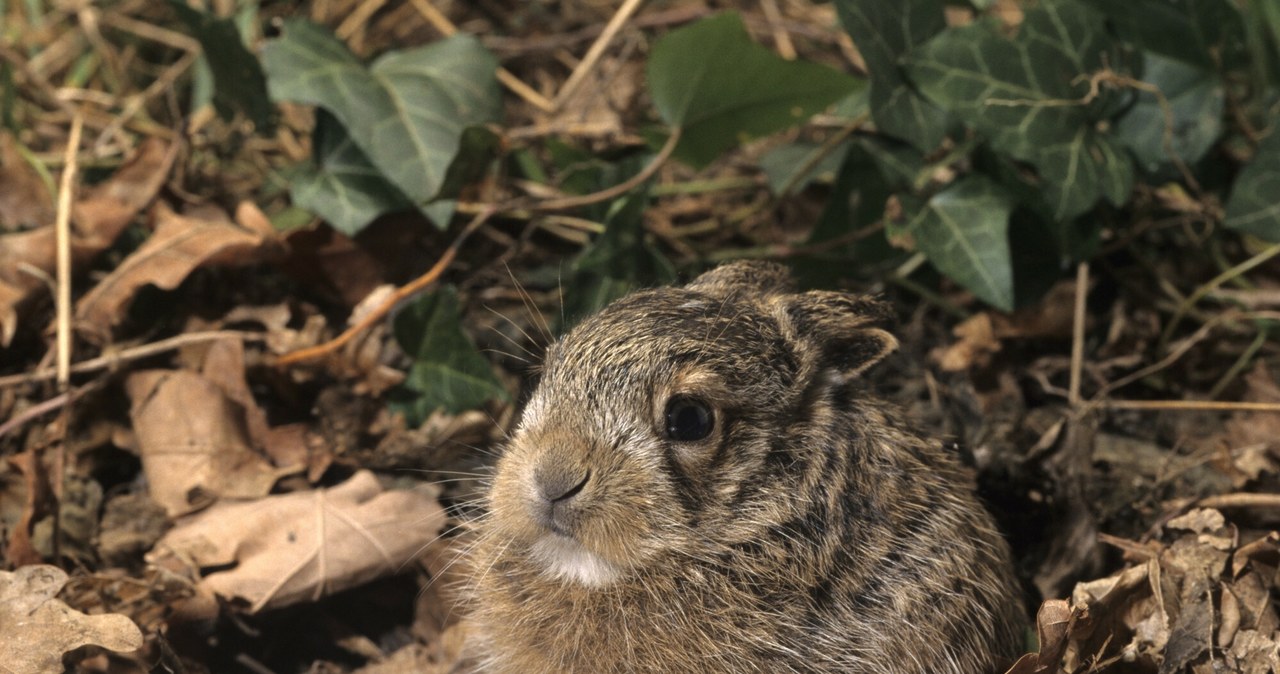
(566, 559)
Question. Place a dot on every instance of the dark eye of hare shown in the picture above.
(688, 419)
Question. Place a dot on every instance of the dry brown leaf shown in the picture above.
(1253, 438)
(981, 335)
(28, 259)
(39, 629)
(976, 343)
(20, 550)
(1054, 621)
(305, 545)
(194, 441)
(180, 245)
(25, 201)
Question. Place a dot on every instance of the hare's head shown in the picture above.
(670, 424)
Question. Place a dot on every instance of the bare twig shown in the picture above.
(412, 288)
(1197, 405)
(1240, 500)
(781, 39)
(1077, 334)
(510, 81)
(619, 189)
(589, 61)
(1212, 285)
(131, 354)
(34, 411)
(62, 229)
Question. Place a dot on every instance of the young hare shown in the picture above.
(701, 484)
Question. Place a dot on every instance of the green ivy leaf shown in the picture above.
(1030, 95)
(1253, 207)
(711, 81)
(617, 261)
(407, 112)
(448, 372)
(1195, 98)
(884, 31)
(1205, 33)
(782, 165)
(343, 186)
(964, 231)
(237, 75)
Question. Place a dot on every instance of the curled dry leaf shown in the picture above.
(305, 545)
(1201, 603)
(180, 245)
(980, 336)
(28, 259)
(1253, 438)
(25, 201)
(1054, 621)
(194, 441)
(39, 629)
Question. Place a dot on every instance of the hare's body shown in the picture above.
(700, 485)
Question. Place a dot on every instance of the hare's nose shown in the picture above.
(555, 506)
(560, 484)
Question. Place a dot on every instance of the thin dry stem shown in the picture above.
(589, 61)
(517, 86)
(111, 360)
(62, 229)
(401, 294)
(1077, 334)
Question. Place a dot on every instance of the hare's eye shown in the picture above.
(688, 419)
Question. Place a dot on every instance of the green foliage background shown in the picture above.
(1054, 123)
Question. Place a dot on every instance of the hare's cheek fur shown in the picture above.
(581, 510)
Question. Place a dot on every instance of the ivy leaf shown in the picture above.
(1030, 95)
(711, 81)
(237, 75)
(407, 112)
(782, 165)
(1253, 207)
(1204, 33)
(1196, 101)
(343, 186)
(884, 31)
(964, 231)
(617, 261)
(448, 372)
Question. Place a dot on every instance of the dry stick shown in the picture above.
(135, 353)
(781, 39)
(1198, 405)
(35, 411)
(589, 61)
(510, 81)
(619, 189)
(400, 295)
(1240, 500)
(1077, 334)
(1213, 285)
(62, 229)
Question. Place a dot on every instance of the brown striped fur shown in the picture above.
(810, 532)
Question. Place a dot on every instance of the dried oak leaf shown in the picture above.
(24, 198)
(1252, 436)
(982, 335)
(39, 629)
(28, 258)
(180, 245)
(305, 545)
(1054, 621)
(194, 441)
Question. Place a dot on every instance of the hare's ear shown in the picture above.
(746, 276)
(847, 330)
